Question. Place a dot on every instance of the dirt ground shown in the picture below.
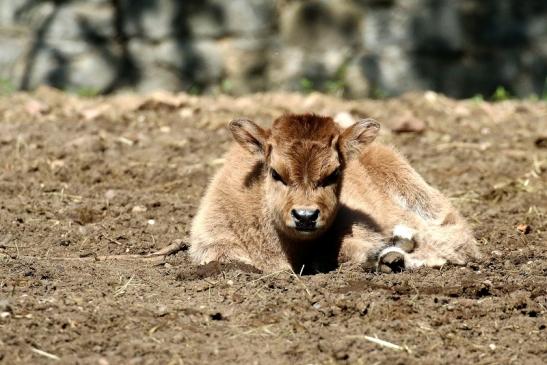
(84, 178)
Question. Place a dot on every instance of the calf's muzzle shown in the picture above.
(305, 219)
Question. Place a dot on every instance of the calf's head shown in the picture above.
(304, 157)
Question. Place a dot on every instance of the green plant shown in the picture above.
(227, 86)
(501, 94)
(378, 93)
(335, 87)
(533, 97)
(6, 87)
(194, 90)
(478, 98)
(306, 85)
(86, 91)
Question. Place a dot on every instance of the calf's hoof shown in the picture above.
(405, 244)
(391, 260)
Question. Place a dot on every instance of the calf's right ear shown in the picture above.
(249, 135)
(356, 137)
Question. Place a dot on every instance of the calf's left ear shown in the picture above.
(356, 137)
(249, 135)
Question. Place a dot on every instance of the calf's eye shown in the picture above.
(332, 178)
(277, 177)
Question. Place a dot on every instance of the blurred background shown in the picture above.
(350, 48)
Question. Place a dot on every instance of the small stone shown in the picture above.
(186, 112)
(125, 141)
(138, 209)
(473, 266)
(56, 164)
(36, 108)
(110, 194)
(151, 222)
(162, 310)
(524, 228)
(462, 111)
(344, 119)
(408, 123)
(431, 96)
(4, 306)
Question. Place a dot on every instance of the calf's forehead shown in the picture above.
(304, 127)
(304, 161)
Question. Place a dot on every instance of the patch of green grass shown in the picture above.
(533, 97)
(336, 87)
(337, 84)
(501, 94)
(306, 85)
(478, 98)
(227, 86)
(6, 87)
(194, 90)
(86, 91)
(378, 93)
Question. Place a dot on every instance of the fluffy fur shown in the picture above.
(365, 193)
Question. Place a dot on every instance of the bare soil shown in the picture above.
(85, 178)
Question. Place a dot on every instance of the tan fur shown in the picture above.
(246, 212)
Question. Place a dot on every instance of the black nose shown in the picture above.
(305, 218)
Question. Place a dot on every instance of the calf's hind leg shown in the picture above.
(395, 257)
(440, 234)
(432, 246)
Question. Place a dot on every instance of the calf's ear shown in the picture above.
(358, 136)
(249, 135)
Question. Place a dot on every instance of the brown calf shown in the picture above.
(309, 195)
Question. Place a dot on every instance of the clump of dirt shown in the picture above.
(85, 179)
(214, 268)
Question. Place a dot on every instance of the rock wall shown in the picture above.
(354, 48)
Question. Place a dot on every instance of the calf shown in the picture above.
(308, 195)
